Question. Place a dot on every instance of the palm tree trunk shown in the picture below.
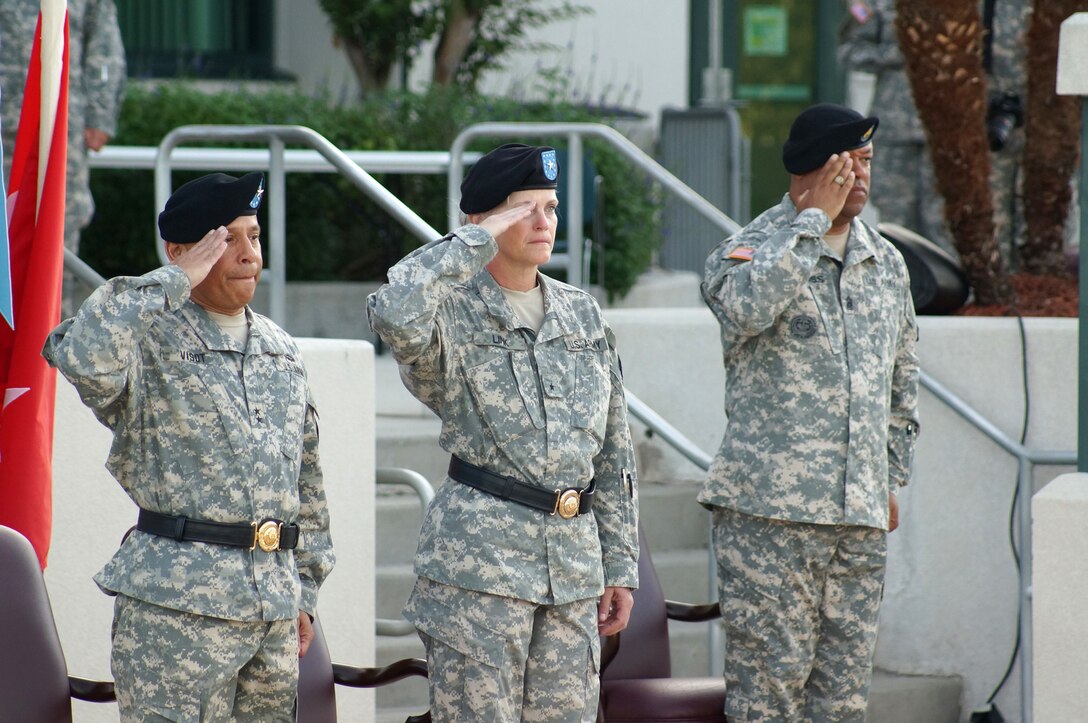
(941, 43)
(1051, 146)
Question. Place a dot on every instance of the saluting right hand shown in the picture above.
(822, 189)
(197, 260)
(498, 223)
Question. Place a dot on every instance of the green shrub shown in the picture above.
(333, 231)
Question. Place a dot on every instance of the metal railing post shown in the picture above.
(576, 222)
(425, 492)
(277, 243)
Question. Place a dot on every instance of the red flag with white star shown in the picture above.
(35, 222)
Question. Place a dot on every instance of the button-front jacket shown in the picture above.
(204, 428)
(546, 408)
(821, 385)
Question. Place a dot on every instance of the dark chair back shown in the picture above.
(637, 683)
(33, 675)
(316, 688)
(644, 645)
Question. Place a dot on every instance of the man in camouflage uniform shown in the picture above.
(818, 332)
(907, 192)
(216, 441)
(96, 84)
(1007, 77)
(529, 550)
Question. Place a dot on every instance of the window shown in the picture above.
(198, 38)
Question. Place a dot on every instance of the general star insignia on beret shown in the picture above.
(551, 166)
(256, 201)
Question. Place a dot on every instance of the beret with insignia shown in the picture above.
(209, 202)
(508, 168)
(822, 130)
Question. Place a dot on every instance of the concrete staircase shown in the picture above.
(677, 529)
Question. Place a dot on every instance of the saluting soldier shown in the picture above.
(529, 550)
(821, 391)
(215, 439)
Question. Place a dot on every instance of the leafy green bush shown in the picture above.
(333, 231)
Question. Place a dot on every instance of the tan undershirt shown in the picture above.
(528, 305)
(837, 242)
(234, 326)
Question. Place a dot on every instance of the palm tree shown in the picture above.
(941, 41)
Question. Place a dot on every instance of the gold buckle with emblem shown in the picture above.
(567, 503)
(267, 535)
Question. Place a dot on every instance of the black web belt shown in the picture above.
(269, 535)
(566, 503)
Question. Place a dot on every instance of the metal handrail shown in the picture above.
(575, 133)
(82, 270)
(276, 136)
(295, 160)
(423, 489)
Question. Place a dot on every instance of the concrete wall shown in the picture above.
(91, 513)
(950, 604)
(1059, 587)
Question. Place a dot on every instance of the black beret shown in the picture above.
(821, 131)
(209, 202)
(508, 168)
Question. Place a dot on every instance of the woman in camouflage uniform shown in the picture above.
(529, 551)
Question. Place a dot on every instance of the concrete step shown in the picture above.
(399, 516)
(392, 586)
(410, 693)
(671, 517)
(412, 443)
(391, 397)
(397, 715)
(684, 575)
(898, 698)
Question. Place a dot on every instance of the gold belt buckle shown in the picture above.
(267, 535)
(567, 503)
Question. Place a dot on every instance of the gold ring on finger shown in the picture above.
(840, 180)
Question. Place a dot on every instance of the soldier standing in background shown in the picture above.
(96, 84)
(1004, 52)
(818, 336)
(529, 550)
(907, 193)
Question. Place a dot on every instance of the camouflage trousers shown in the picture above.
(1010, 228)
(184, 668)
(799, 603)
(495, 659)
